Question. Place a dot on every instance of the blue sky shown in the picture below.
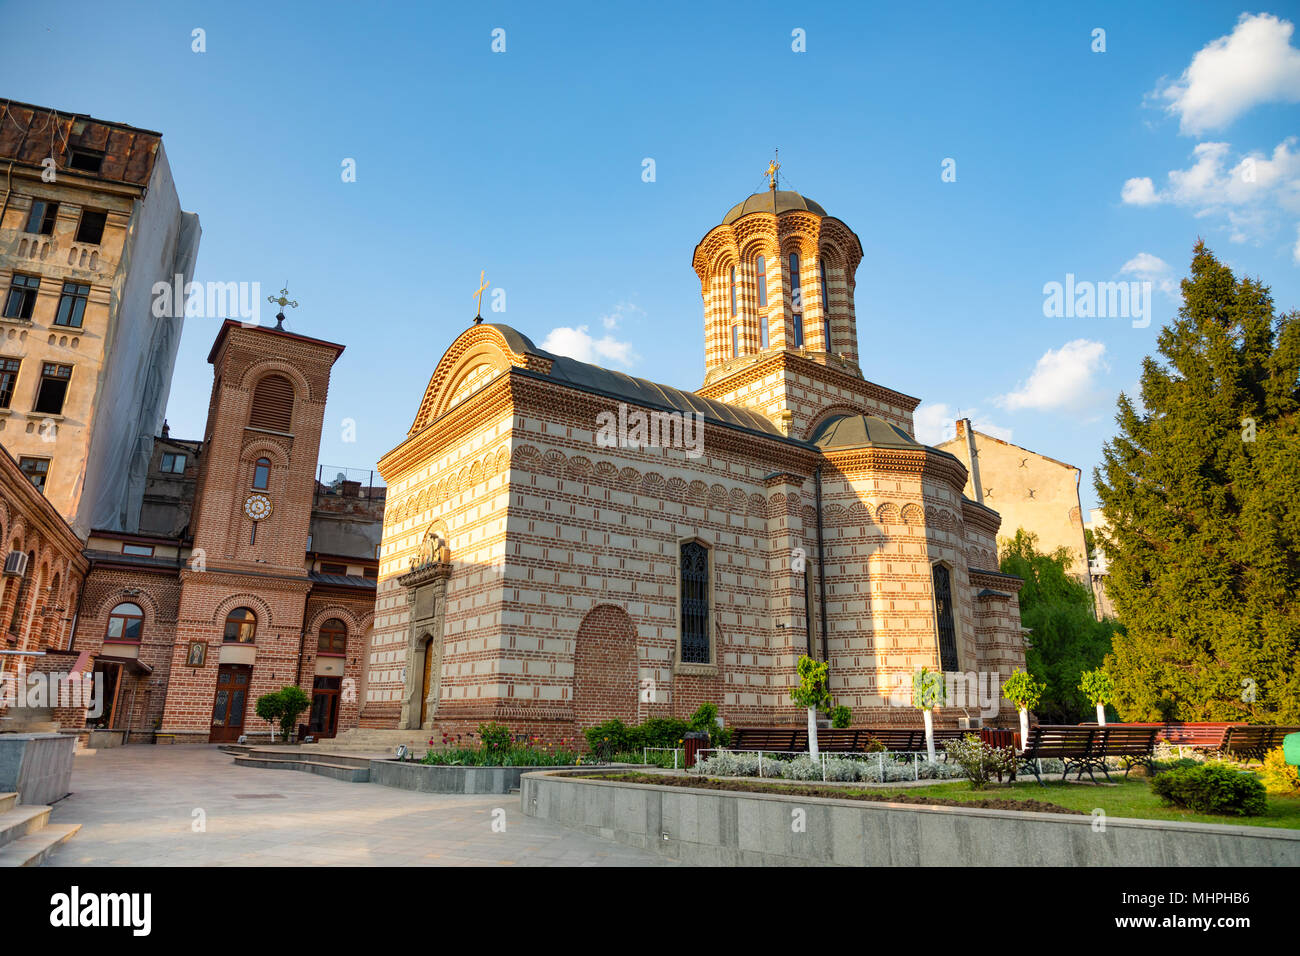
(528, 164)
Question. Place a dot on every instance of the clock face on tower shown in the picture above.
(258, 507)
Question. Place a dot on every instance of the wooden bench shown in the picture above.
(1254, 742)
(777, 739)
(1087, 747)
(1200, 735)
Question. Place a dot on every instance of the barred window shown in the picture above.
(944, 619)
(695, 603)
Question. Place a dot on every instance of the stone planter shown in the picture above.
(432, 778)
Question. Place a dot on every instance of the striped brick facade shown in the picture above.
(543, 565)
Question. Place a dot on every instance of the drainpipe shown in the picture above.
(821, 561)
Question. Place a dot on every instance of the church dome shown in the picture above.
(861, 431)
(774, 201)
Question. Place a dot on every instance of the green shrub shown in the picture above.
(660, 732)
(610, 737)
(283, 706)
(841, 716)
(705, 720)
(1211, 788)
(1277, 775)
(979, 760)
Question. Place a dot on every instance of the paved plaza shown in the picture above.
(138, 806)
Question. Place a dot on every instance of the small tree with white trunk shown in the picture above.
(928, 692)
(1023, 691)
(812, 693)
(1100, 689)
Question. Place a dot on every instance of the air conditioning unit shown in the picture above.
(16, 564)
(970, 723)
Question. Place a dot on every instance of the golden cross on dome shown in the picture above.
(482, 285)
(282, 300)
(772, 167)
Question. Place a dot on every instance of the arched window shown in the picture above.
(735, 341)
(695, 603)
(733, 292)
(272, 404)
(261, 474)
(760, 273)
(125, 623)
(241, 626)
(944, 618)
(796, 300)
(333, 637)
(826, 308)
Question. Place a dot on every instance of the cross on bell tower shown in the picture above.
(283, 301)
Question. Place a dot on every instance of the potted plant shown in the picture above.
(1100, 689)
(1023, 691)
(928, 692)
(812, 694)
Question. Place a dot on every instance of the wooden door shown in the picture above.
(230, 702)
(324, 720)
(427, 682)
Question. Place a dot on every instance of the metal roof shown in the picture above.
(778, 201)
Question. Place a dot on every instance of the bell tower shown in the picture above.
(777, 276)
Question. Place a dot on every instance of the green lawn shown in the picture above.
(1124, 798)
(1127, 798)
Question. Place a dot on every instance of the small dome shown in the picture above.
(862, 431)
(776, 202)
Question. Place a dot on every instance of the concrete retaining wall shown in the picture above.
(37, 766)
(718, 828)
(430, 778)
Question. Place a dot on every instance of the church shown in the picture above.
(536, 571)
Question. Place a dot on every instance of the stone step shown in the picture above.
(32, 849)
(316, 756)
(335, 771)
(20, 820)
(8, 801)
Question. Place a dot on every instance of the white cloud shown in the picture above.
(1062, 379)
(1139, 191)
(935, 423)
(613, 318)
(1152, 269)
(1251, 195)
(1255, 64)
(580, 344)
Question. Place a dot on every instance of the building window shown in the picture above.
(22, 296)
(733, 292)
(695, 603)
(8, 379)
(36, 470)
(53, 388)
(125, 623)
(86, 160)
(173, 464)
(796, 300)
(333, 568)
(826, 308)
(139, 550)
(760, 271)
(42, 217)
(735, 341)
(241, 626)
(272, 404)
(371, 573)
(72, 304)
(261, 474)
(91, 228)
(333, 637)
(944, 619)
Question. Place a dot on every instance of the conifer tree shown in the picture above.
(1201, 490)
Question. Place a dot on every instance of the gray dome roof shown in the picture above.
(862, 431)
(776, 202)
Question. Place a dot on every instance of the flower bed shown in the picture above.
(880, 768)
